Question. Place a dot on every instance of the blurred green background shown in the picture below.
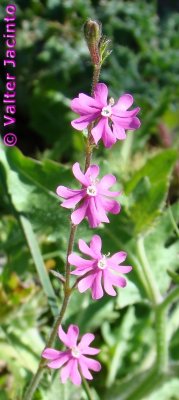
(53, 66)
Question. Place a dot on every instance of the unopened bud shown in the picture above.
(92, 33)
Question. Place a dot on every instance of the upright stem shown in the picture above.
(155, 295)
(160, 313)
(90, 141)
(67, 290)
(161, 339)
(170, 298)
(96, 73)
(87, 389)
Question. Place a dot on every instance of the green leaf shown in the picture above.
(147, 190)
(40, 266)
(168, 391)
(57, 390)
(19, 193)
(162, 247)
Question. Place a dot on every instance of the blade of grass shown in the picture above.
(38, 261)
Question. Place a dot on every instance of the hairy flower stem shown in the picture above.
(67, 290)
(90, 141)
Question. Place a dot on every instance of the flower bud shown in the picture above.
(92, 33)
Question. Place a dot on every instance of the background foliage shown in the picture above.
(52, 67)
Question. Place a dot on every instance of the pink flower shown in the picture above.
(111, 121)
(74, 357)
(102, 271)
(93, 197)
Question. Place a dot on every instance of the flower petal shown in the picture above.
(97, 290)
(96, 244)
(74, 373)
(124, 102)
(88, 101)
(100, 209)
(84, 105)
(51, 354)
(73, 201)
(55, 364)
(86, 339)
(118, 258)
(79, 175)
(92, 172)
(67, 193)
(85, 342)
(101, 93)
(110, 205)
(81, 271)
(130, 123)
(83, 121)
(78, 261)
(65, 371)
(78, 215)
(119, 281)
(97, 131)
(107, 181)
(84, 370)
(91, 351)
(96, 213)
(73, 333)
(122, 269)
(102, 130)
(84, 248)
(64, 337)
(108, 283)
(91, 364)
(135, 124)
(116, 111)
(69, 338)
(86, 283)
(108, 137)
(118, 131)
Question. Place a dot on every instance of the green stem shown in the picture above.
(87, 389)
(161, 340)
(67, 290)
(175, 227)
(160, 314)
(170, 298)
(37, 377)
(139, 272)
(155, 295)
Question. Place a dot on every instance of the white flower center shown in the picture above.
(106, 111)
(102, 263)
(75, 352)
(91, 190)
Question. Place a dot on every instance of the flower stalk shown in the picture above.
(67, 291)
